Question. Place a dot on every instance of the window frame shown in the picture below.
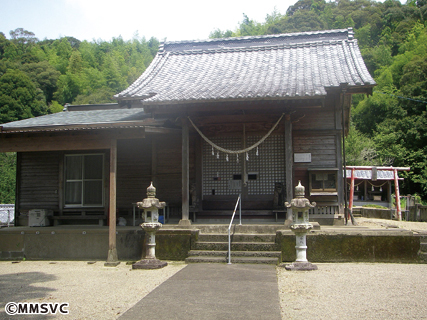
(82, 180)
(323, 191)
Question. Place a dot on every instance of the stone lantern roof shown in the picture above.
(151, 201)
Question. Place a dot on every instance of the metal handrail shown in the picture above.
(239, 202)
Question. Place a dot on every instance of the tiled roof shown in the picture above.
(262, 67)
(76, 118)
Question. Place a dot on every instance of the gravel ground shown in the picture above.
(354, 291)
(357, 290)
(92, 290)
(385, 223)
(335, 291)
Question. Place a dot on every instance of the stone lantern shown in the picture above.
(300, 226)
(151, 206)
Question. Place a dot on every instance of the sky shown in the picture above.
(173, 20)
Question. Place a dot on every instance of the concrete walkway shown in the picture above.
(213, 291)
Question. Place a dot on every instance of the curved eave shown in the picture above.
(362, 89)
(239, 99)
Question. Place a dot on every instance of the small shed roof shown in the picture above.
(78, 119)
(274, 67)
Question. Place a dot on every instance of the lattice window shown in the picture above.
(221, 177)
(269, 165)
(218, 173)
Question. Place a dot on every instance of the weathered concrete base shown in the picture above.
(112, 260)
(184, 222)
(173, 242)
(299, 266)
(375, 213)
(149, 264)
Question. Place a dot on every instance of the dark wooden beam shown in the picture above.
(112, 259)
(65, 140)
(185, 174)
(289, 163)
(154, 161)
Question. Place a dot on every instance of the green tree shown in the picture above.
(102, 95)
(112, 72)
(298, 22)
(360, 149)
(8, 177)
(75, 64)
(68, 88)
(19, 98)
(396, 116)
(44, 75)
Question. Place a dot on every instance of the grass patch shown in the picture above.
(376, 206)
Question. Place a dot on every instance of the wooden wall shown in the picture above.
(38, 181)
(133, 171)
(139, 161)
(168, 176)
(322, 147)
(317, 132)
(157, 159)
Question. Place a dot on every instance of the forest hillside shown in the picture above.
(388, 128)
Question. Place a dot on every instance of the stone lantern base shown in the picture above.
(300, 266)
(149, 264)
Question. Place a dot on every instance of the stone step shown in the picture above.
(234, 259)
(224, 253)
(239, 246)
(423, 246)
(423, 256)
(205, 259)
(239, 237)
(236, 228)
(255, 260)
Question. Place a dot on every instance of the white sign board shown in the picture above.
(234, 184)
(302, 157)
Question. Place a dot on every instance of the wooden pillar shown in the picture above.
(185, 174)
(289, 164)
(350, 206)
(61, 178)
(18, 187)
(244, 169)
(112, 259)
(341, 184)
(343, 102)
(199, 171)
(397, 194)
(389, 196)
(365, 193)
(154, 160)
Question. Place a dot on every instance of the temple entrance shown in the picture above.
(254, 174)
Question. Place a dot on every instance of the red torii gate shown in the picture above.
(396, 183)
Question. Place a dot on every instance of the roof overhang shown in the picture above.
(75, 137)
(73, 127)
(227, 106)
